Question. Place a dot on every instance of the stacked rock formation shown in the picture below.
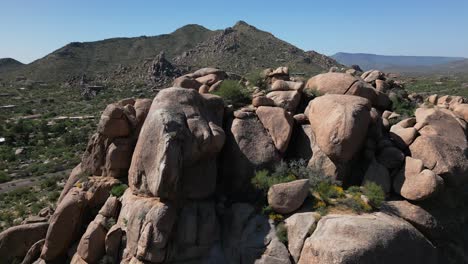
(189, 159)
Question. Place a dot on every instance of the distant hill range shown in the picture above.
(239, 49)
(416, 64)
(9, 64)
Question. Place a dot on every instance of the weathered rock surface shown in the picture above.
(415, 183)
(289, 100)
(65, 225)
(374, 238)
(278, 123)
(442, 146)
(417, 216)
(147, 223)
(287, 197)
(248, 147)
(339, 123)
(16, 241)
(299, 226)
(184, 131)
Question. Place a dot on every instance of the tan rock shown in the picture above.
(415, 183)
(285, 198)
(341, 83)
(215, 87)
(278, 123)
(417, 216)
(113, 242)
(432, 99)
(281, 85)
(347, 119)
(186, 82)
(204, 89)
(178, 141)
(299, 226)
(114, 122)
(65, 225)
(381, 86)
(372, 76)
(145, 218)
(289, 100)
(301, 119)
(461, 110)
(262, 101)
(91, 246)
(366, 239)
(403, 137)
(17, 240)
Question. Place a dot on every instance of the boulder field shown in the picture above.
(188, 160)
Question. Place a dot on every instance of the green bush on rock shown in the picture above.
(233, 93)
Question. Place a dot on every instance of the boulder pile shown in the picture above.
(188, 160)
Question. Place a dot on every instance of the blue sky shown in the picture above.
(30, 29)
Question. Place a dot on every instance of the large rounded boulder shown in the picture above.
(339, 123)
(366, 239)
(180, 138)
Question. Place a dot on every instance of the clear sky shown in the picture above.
(30, 29)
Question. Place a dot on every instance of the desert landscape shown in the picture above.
(232, 146)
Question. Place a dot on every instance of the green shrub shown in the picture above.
(233, 93)
(328, 191)
(356, 204)
(282, 233)
(256, 78)
(403, 107)
(118, 190)
(374, 193)
(263, 180)
(4, 177)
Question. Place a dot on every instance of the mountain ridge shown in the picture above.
(233, 48)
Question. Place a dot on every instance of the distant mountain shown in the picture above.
(9, 64)
(239, 49)
(382, 62)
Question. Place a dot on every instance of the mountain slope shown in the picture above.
(106, 56)
(9, 64)
(240, 49)
(382, 62)
(244, 48)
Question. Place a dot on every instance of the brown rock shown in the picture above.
(113, 122)
(17, 240)
(301, 119)
(299, 226)
(366, 239)
(91, 246)
(289, 100)
(417, 216)
(186, 82)
(65, 225)
(204, 89)
(461, 110)
(113, 242)
(146, 218)
(215, 86)
(442, 146)
(281, 85)
(262, 101)
(416, 184)
(285, 198)
(179, 139)
(341, 83)
(372, 76)
(347, 119)
(381, 86)
(403, 137)
(118, 158)
(34, 252)
(278, 123)
(209, 79)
